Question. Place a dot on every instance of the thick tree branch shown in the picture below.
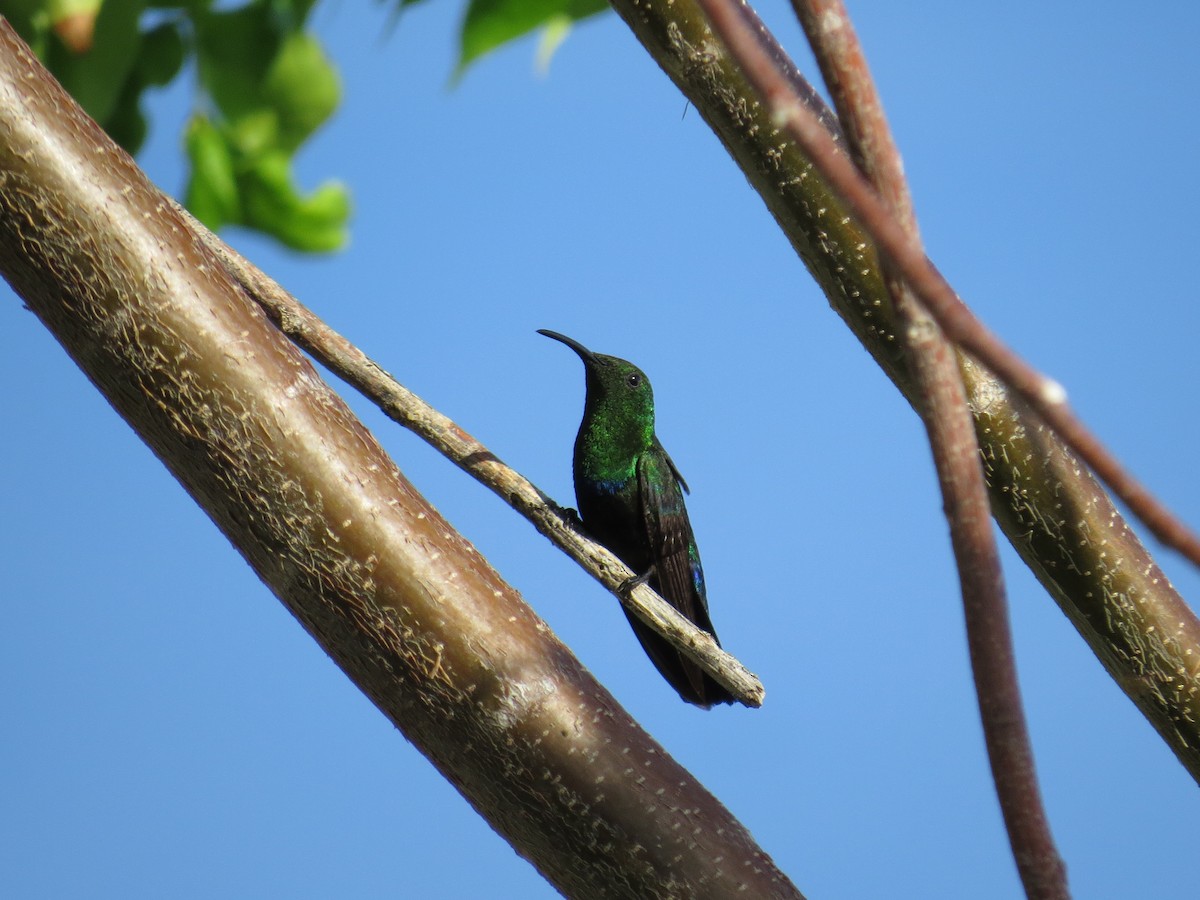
(402, 603)
(1056, 516)
(942, 402)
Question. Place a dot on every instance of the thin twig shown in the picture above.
(1044, 395)
(943, 406)
(354, 367)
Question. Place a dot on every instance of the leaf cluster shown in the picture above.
(270, 86)
(490, 24)
(264, 86)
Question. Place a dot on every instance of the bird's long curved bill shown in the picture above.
(584, 353)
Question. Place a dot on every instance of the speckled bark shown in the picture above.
(401, 602)
(1051, 509)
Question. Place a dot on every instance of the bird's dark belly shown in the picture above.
(613, 518)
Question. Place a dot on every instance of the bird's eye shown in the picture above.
(633, 379)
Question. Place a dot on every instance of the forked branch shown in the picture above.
(1051, 508)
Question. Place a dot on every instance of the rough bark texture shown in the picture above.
(1048, 505)
(401, 602)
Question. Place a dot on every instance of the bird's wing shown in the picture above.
(677, 570)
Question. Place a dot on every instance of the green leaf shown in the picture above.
(74, 22)
(234, 51)
(162, 55)
(265, 87)
(25, 11)
(491, 23)
(298, 9)
(553, 34)
(302, 87)
(212, 191)
(254, 132)
(126, 125)
(313, 224)
(61, 9)
(272, 86)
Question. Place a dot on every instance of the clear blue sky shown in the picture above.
(170, 731)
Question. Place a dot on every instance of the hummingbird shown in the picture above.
(630, 498)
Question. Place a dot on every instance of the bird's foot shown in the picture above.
(572, 517)
(636, 580)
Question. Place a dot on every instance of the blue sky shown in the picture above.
(171, 731)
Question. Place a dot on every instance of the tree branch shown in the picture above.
(942, 402)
